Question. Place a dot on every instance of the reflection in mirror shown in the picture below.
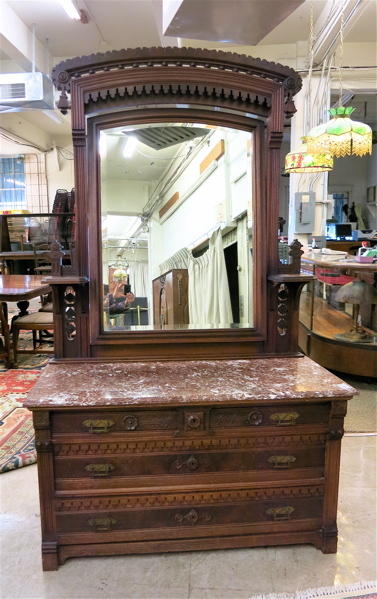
(177, 223)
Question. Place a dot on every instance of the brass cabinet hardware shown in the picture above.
(130, 423)
(192, 517)
(255, 417)
(191, 463)
(281, 461)
(102, 524)
(281, 513)
(100, 470)
(98, 426)
(284, 418)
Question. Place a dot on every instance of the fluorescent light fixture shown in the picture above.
(70, 9)
(129, 147)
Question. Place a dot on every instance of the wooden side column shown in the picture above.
(43, 444)
(332, 467)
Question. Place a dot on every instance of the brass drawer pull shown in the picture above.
(192, 517)
(100, 470)
(191, 463)
(130, 423)
(284, 418)
(281, 461)
(255, 417)
(281, 513)
(98, 426)
(102, 524)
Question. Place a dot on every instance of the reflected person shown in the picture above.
(118, 302)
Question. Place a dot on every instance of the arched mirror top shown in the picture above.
(230, 110)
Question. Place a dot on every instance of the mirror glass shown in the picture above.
(177, 227)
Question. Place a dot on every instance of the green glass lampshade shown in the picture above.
(341, 135)
(303, 161)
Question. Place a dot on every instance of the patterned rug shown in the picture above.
(17, 443)
(360, 590)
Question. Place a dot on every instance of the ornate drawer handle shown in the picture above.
(193, 517)
(284, 418)
(255, 417)
(194, 421)
(98, 426)
(281, 461)
(130, 423)
(281, 513)
(99, 470)
(191, 463)
(102, 524)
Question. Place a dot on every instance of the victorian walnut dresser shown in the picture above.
(179, 436)
(177, 456)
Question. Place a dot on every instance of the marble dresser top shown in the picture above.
(91, 384)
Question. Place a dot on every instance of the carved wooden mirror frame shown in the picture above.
(107, 90)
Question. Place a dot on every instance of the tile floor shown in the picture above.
(229, 574)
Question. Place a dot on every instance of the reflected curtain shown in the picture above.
(209, 296)
(180, 259)
(139, 278)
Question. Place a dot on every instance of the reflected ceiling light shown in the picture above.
(341, 135)
(303, 161)
(70, 9)
(129, 147)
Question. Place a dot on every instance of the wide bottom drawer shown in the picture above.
(185, 515)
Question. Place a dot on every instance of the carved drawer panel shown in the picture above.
(101, 423)
(186, 464)
(271, 416)
(178, 515)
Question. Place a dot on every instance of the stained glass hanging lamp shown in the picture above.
(302, 161)
(341, 135)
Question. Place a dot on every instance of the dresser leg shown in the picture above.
(330, 541)
(49, 556)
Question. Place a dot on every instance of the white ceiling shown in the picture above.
(117, 24)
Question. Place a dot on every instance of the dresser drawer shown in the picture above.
(196, 421)
(108, 422)
(268, 416)
(186, 464)
(123, 518)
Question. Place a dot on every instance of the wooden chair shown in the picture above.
(42, 259)
(37, 321)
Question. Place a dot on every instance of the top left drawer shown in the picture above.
(108, 422)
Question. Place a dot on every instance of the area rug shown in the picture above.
(17, 443)
(360, 590)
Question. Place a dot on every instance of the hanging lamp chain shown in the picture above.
(311, 51)
(341, 56)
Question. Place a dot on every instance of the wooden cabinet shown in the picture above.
(170, 298)
(235, 457)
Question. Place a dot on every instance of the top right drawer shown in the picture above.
(269, 416)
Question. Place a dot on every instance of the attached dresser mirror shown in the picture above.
(176, 166)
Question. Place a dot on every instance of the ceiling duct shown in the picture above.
(159, 138)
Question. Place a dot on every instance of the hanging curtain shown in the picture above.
(209, 297)
(243, 263)
(139, 278)
(180, 259)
